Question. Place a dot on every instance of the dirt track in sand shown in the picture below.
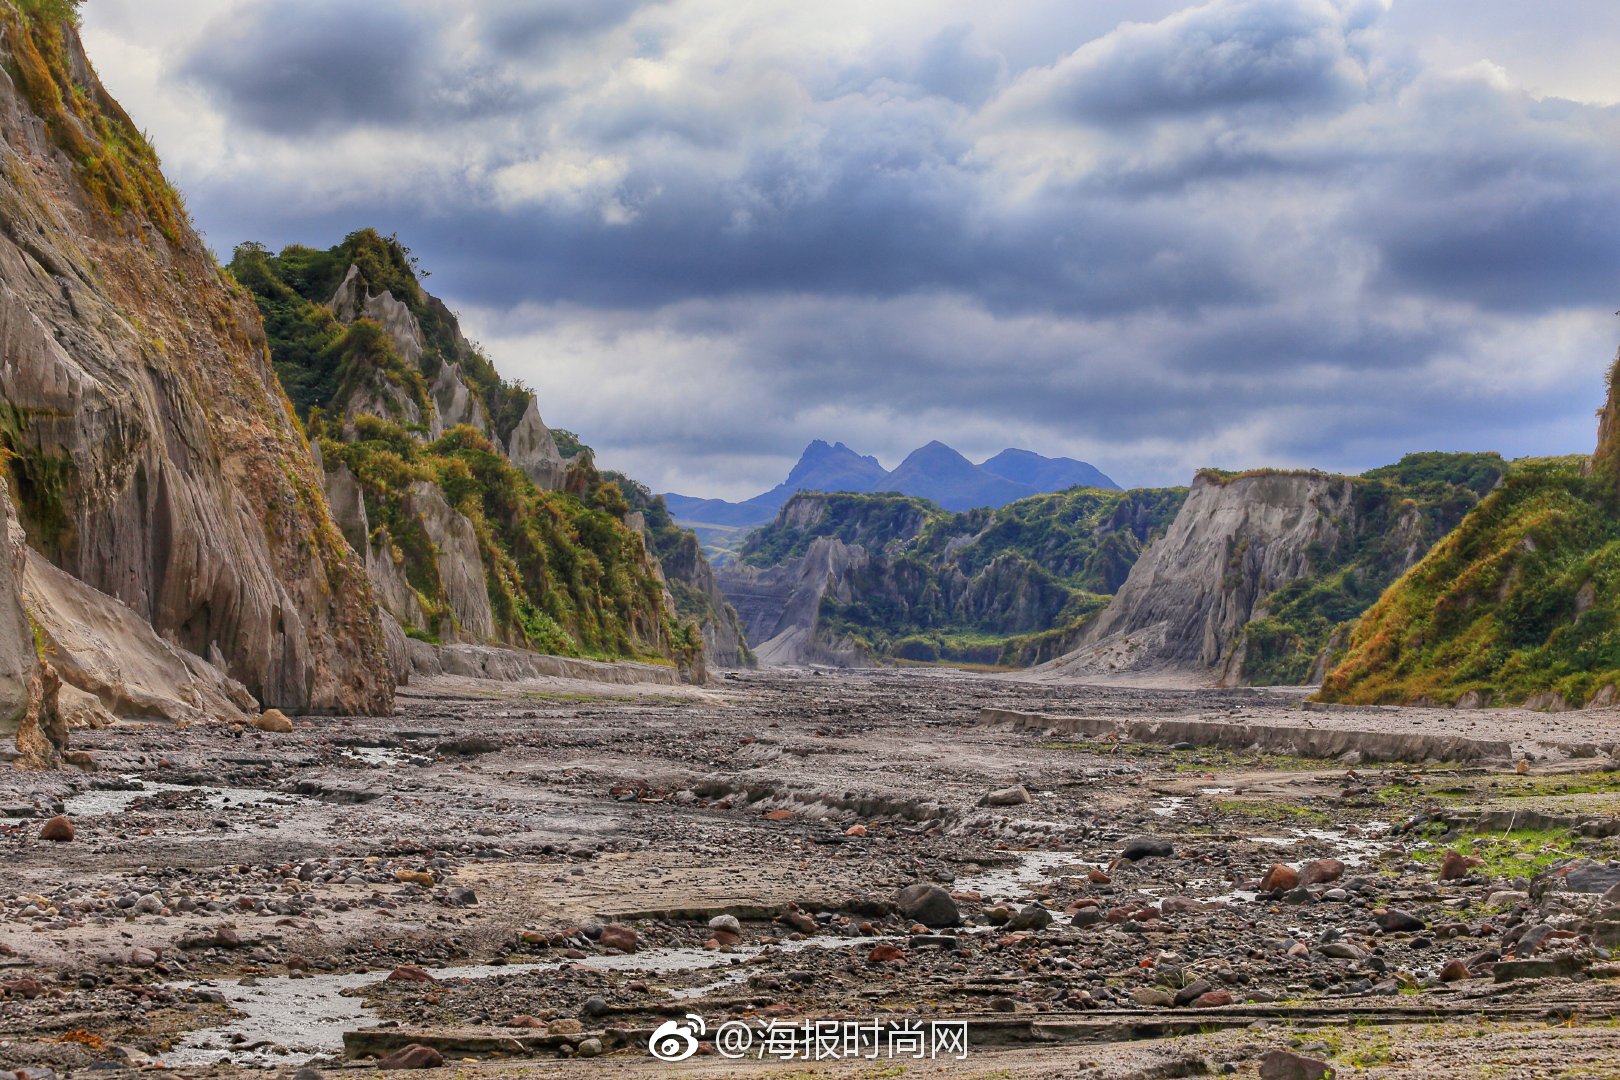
(503, 824)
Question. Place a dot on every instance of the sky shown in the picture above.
(1153, 235)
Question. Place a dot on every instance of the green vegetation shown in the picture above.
(686, 571)
(1517, 853)
(872, 521)
(1520, 599)
(1396, 508)
(315, 363)
(991, 587)
(563, 572)
(111, 156)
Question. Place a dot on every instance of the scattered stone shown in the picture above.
(1555, 967)
(726, 923)
(1280, 878)
(1017, 795)
(1287, 1065)
(1321, 872)
(59, 830)
(1146, 847)
(1212, 999)
(1033, 917)
(1455, 971)
(413, 1056)
(275, 721)
(589, 1048)
(928, 904)
(622, 938)
(142, 958)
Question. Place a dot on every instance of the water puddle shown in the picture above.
(286, 1020)
(385, 756)
(1011, 882)
(88, 804)
(1170, 805)
(1348, 848)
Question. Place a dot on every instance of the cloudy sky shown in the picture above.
(1150, 234)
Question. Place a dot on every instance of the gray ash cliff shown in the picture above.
(152, 455)
(1260, 575)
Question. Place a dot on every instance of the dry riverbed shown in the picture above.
(537, 877)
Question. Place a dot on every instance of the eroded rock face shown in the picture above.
(104, 648)
(20, 676)
(1234, 543)
(532, 449)
(161, 465)
(461, 569)
(780, 606)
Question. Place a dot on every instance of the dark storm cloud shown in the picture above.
(1224, 58)
(525, 27)
(306, 67)
(1254, 231)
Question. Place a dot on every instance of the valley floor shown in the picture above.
(537, 866)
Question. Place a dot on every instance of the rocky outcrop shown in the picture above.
(532, 449)
(1232, 545)
(153, 455)
(780, 606)
(22, 674)
(684, 567)
(107, 650)
(460, 565)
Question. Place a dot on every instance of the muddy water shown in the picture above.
(1013, 882)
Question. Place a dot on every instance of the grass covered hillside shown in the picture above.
(1520, 603)
(989, 586)
(1399, 511)
(474, 526)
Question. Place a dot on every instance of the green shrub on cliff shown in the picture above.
(1522, 598)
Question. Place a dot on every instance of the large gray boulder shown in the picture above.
(928, 904)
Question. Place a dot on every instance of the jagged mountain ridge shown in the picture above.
(473, 526)
(154, 463)
(934, 472)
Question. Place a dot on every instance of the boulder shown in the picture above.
(1287, 1065)
(620, 937)
(273, 720)
(1321, 872)
(58, 829)
(928, 904)
(1016, 795)
(411, 1056)
(1280, 878)
(1146, 847)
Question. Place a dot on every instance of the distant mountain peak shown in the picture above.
(934, 471)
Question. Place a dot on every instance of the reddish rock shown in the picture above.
(801, 922)
(1454, 865)
(1097, 877)
(1321, 872)
(886, 954)
(855, 830)
(525, 1021)
(227, 938)
(1454, 971)
(1280, 878)
(142, 958)
(58, 829)
(1212, 999)
(779, 815)
(297, 963)
(1287, 1065)
(410, 973)
(414, 1056)
(25, 988)
(615, 936)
